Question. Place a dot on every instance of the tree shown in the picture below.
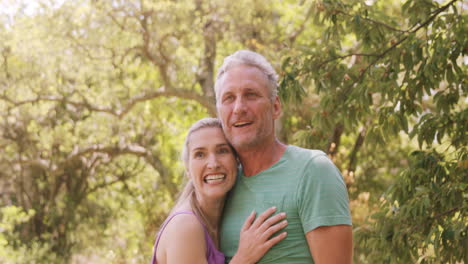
(385, 71)
(96, 97)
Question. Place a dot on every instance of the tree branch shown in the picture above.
(179, 93)
(85, 49)
(357, 145)
(349, 55)
(120, 178)
(294, 35)
(437, 216)
(109, 150)
(120, 113)
(397, 43)
(114, 19)
(38, 163)
(114, 151)
(373, 22)
(206, 76)
(5, 53)
(146, 38)
(335, 140)
(381, 55)
(417, 228)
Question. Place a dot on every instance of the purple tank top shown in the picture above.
(213, 255)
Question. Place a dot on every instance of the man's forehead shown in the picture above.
(235, 77)
(246, 69)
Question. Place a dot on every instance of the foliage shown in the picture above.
(12, 250)
(384, 71)
(96, 97)
(437, 204)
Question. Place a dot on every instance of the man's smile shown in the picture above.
(241, 124)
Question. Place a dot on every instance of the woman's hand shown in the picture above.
(255, 236)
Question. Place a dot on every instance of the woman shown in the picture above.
(190, 233)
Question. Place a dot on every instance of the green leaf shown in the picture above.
(449, 74)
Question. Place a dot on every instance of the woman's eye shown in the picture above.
(199, 154)
(224, 150)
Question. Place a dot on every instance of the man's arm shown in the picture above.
(324, 211)
(331, 244)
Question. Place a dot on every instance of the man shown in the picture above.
(303, 183)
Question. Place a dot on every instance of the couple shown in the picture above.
(305, 188)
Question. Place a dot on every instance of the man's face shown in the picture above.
(246, 109)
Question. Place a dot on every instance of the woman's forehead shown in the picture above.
(207, 137)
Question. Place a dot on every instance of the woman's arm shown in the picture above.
(255, 236)
(184, 240)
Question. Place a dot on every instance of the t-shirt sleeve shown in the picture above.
(322, 195)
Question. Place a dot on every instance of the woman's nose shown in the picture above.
(212, 162)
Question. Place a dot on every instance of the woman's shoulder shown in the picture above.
(184, 227)
(183, 233)
(185, 222)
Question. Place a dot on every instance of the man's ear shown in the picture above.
(276, 108)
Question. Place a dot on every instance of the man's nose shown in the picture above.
(239, 105)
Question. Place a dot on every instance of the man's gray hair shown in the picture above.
(250, 58)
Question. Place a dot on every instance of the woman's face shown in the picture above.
(212, 165)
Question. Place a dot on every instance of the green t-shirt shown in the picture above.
(303, 183)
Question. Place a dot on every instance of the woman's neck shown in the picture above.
(212, 210)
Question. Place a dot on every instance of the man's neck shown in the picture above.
(260, 158)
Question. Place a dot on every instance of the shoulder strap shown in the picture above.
(158, 237)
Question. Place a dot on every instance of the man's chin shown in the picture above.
(243, 144)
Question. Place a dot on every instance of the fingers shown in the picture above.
(256, 235)
(274, 228)
(248, 221)
(275, 240)
(263, 216)
(272, 220)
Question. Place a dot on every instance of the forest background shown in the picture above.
(96, 97)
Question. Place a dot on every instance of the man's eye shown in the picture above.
(251, 95)
(228, 98)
